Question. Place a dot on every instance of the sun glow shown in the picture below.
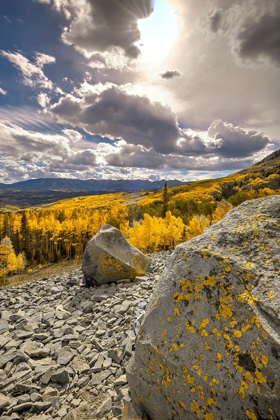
(158, 33)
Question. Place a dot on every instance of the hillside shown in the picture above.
(90, 185)
(35, 192)
(262, 177)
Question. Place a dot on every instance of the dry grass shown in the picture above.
(53, 269)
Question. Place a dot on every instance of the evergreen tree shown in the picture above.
(5, 231)
(165, 201)
(61, 217)
(25, 236)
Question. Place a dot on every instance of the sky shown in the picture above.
(137, 89)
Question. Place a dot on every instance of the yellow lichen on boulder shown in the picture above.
(216, 324)
(109, 257)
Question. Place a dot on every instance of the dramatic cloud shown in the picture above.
(170, 74)
(25, 149)
(32, 73)
(152, 121)
(253, 29)
(261, 40)
(110, 111)
(127, 155)
(100, 26)
(233, 141)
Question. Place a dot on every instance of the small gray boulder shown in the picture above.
(109, 257)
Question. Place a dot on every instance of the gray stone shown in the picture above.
(23, 398)
(50, 392)
(40, 353)
(64, 356)
(61, 376)
(5, 358)
(98, 365)
(4, 340)
(115, 355)
(87, 306)
(4, 402)
(122, 380)
(21, 367)
(20, 389)
(29, 347)
(35, 397)
(107, 363)
(104, 408)
(22, 407)
(41, 336)
(21, 335)
(72, 415)
(98, 378)
(209, 345)
(63, 411)
(41, 406)
(46, 376)
(41, 362)
(109, 257)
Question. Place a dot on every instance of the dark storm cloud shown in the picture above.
(102, 25)
(127, 155)
(170, 74)
(261, 39)
(113, 112)
(116, 114)
(215, 21)
(192, 145)
(77, 159)
(234, 142)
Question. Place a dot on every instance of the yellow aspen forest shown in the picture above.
(36, 238)
(151, 221)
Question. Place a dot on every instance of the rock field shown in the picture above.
(64, 348)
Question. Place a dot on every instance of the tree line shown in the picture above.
(35, 238)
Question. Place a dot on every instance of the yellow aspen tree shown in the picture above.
(6, 248)
(21, 262)
(174, 227)
(134, 236)
(12, 262)
(197, 225)
(222, 208)
(124, 228)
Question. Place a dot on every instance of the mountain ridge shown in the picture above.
(93, 185)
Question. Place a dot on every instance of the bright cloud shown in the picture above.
(32, 73)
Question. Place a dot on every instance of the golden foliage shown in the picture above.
(62, 229)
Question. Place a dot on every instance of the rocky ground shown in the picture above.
(64, 347)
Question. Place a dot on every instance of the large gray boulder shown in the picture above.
(109, 257)
(209, 346)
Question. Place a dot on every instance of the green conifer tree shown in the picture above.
(165, 201)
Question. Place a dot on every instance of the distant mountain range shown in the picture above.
(92, 185)
(35, 192)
